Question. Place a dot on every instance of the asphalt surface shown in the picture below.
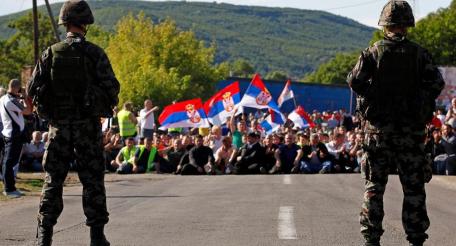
(233, 210)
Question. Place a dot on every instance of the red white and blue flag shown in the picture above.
(258, 96)
(286, 101)
(221, 106)
(188, 113)
(272, 122)
(300, 118)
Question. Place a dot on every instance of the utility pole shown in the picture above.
(54, 25)
(35, 32)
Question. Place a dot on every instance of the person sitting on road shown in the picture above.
(249, 158)
(32, 155)
(286, 156)
(173, 156)
(356, 151)
(187, 144)
(269, 155)
(145, 156)
(315, 157)
(124, 160)
(112, 145)
(214, 139)
(199, 157)
(337, 149)
(222, 157)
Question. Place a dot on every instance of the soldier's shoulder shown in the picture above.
(95, 50)
(416, 46)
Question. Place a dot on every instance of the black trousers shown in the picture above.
(13, 148)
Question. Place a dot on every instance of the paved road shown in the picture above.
(233, 210)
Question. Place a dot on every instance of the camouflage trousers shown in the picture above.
(395, 153)
(77, 141)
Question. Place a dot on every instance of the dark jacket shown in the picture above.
(253, 154)
(321, 149)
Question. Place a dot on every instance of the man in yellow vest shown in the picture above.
(144, 159)
(124, 160)
(127, 121)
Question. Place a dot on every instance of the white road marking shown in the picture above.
(286, 229)
(287, 179)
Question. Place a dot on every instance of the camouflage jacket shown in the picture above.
(397, 84)
(101, 73)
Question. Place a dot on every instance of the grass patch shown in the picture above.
(27, 185)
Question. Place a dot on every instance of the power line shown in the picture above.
(353, 5)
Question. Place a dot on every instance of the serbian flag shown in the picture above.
(300, 118)
(222, 104)
(286, 99)
(258, 96)
(272, 122)
(184, 114)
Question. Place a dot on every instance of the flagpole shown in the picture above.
(294, 97)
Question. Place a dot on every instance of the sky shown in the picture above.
(364, 11)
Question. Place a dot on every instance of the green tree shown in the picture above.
(437, 33)
(17, 51)
(98, 36)
(277, 75)
(161, 62)
(242, 68)
(335, 70)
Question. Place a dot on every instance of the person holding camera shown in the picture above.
(12, 111)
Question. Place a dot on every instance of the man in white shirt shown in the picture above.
(147, 119)
(12, 111)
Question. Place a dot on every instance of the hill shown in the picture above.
(291, 40)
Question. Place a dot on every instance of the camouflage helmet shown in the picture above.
(397, 13)
(76, 12)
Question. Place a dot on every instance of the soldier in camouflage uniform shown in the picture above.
(397, 85)
(73, 85)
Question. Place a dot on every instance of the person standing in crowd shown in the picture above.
(12, 111)
(147, 119)
(451, 113)
(448, 143)
(111, 123)
(127, 121)
(237, 132)
(73, 86)
(401, 71)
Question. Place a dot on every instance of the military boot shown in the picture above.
(97, 236)
(44, 235)
(372, 242)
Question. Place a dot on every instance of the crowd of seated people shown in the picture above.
(238, 147)
(334, 145)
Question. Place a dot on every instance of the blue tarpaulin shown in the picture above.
(310, 96)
